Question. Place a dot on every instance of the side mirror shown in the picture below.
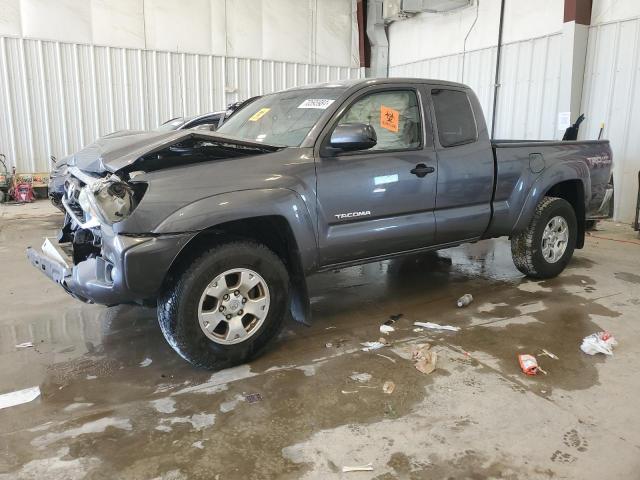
(353, 136)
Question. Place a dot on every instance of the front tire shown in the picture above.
(544, 249)
(226, 305)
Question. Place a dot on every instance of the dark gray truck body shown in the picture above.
(318, 209)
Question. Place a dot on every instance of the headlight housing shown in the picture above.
(110, 199)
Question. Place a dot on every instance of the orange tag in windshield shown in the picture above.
(389, 118)
(259, 114)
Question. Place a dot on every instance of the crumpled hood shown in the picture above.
(125, 148)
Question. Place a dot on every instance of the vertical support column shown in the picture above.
(377, 35)
(575, 35)
(364, 47)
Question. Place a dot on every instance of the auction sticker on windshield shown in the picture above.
(259, 114)
(320, 103)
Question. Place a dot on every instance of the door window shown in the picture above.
(394, 115)
(454, 117)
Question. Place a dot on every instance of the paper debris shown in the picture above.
(386, 329)
(368, 346)
(388, 387)
(364, 468)
(360, 377)
(19, 397)
(428, 363)
(435, 326)
(388, 358)
(25, 345)
(424, 359)
(547, 353)
(600, 342)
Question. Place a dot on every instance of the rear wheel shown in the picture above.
(225, 307)
(544, 249)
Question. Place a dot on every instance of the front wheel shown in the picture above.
(544, 249)
(225, 307)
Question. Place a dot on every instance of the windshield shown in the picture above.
(282, 119)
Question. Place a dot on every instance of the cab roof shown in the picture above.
(345, 84)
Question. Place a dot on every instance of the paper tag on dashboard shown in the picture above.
(320, 103)
(259, 114)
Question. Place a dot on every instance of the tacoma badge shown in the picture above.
(341, 216)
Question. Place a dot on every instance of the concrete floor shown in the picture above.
(106, 412)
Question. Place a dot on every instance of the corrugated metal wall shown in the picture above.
(611, 94)
(57, 97)
(529, 80)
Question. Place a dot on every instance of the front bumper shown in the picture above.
(130, 269)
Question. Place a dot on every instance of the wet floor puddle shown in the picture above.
(111, 405)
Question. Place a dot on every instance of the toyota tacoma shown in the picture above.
(220, 229)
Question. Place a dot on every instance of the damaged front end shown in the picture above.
(87, 258)
(94, 258)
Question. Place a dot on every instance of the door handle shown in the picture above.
(420, 170)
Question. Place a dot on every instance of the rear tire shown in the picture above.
(190, 296)
(544, 249)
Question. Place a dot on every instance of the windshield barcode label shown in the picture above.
(320, 103)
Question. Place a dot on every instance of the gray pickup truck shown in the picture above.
(220, 230)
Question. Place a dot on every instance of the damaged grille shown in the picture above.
(72, 187)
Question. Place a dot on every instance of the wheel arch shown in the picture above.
(274, 231)
(573, 192)
(561, 182)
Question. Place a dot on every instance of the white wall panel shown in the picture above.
(286, 30)
(118, 23)
(429, 35)
(604, 11)
(57, 97)
(529, 79)
(334, 25)
(10, 17)
(611, 95)
(244, 28)
(303, 31)
(183, 26)
(64, 20)
(219, 27)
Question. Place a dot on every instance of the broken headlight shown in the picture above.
(110, 199)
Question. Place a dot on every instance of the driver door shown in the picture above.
(370, 202)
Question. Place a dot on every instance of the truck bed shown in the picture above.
(519, 164)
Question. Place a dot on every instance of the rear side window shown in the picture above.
(456, 124)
